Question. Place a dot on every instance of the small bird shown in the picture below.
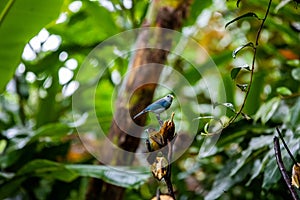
(158, 106)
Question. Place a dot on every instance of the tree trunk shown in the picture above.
(139, 86)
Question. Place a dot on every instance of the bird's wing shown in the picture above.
(155, 106)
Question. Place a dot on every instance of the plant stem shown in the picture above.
(253, 65)
(282, 169)
(168, 175)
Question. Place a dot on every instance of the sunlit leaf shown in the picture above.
(238, 3)
(3, 144)
(282, 4)
(206, 128)
(293, 63)
(296, 74)
(249, 14)
(237, 50)
(283, 91)
(20, 21)
(267, 110)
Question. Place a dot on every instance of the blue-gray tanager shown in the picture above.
(158, 106)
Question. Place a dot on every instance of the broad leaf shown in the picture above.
(120, 176)
(271, 173)
(295, 115)
(19, 22)
(54, 131)
(267, 110)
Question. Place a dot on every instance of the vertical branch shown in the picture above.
(168, 175)
(253, 64)
(283, 170)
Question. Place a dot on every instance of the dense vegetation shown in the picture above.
(233, 86)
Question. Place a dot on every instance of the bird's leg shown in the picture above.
(159, 120)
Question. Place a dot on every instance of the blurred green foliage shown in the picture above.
(41, 154)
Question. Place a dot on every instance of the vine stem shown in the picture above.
(283, 170)
(253, 64)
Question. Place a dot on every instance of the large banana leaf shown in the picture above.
(20, 20)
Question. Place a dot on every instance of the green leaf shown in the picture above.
(9, 188)
(293, 63)
(3, 144)
(234, 72)
(10, 158)
(54, 131)
(282, 4)
(47, 168)
(240, 161)
(249, 14)
(272, 174)
(119, 176)
(296, 74)
(223, 181)
(19, 22)
(237, 50)
(284, 91)
(267, 110)
(295, 114)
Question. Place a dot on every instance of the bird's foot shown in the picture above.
(159, 120)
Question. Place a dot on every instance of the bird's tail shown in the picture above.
(139, 114)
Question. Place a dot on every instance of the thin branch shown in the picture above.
(168, 175)
(253, 64)
(286, 147)
(283, 170)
